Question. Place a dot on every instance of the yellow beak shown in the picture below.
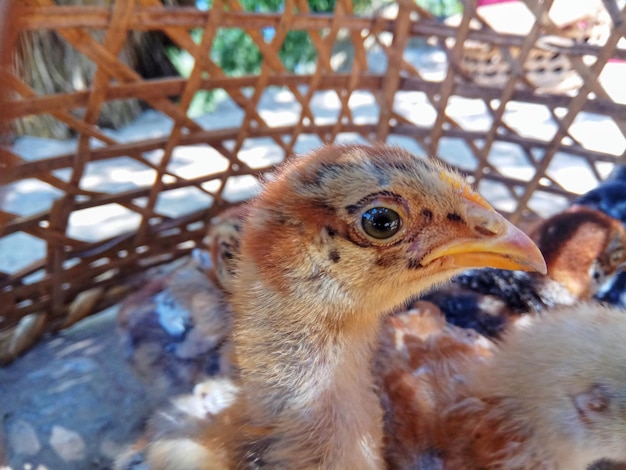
(495, 243)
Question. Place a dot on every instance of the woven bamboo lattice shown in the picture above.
(378, 93)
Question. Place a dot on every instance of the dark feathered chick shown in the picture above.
(337, 239)
(610, 198)
(582, 248)
(176, 327)
(550, 396)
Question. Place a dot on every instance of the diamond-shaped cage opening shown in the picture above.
(547, 204)
(415, 106)
(384, 38)
(212, 186)
(154, 157)
(612, 78)
(325, 107)
(511, 160)
(529, 120)
(457, 153)
(261, 153)
(498, 195)
(572, 173)
(32, 148)
(159, 62)
(298, 53)
(306, 143)
(470, 114)
(71, 263)
(102, 222)
(36, 276)
(229, 144)
(235, 51)
(181, 201)
(204, 102)
(141, 202)
(407, 143)
(364, 107)
(343, 52)
(220, 110)
(430, 61)
(240, 188)
(349, 138)
(64, 174)
(605, 169)
(279, 107)
(116, 114)
(598, 133)
(116, 175)
(195, 161)
(43, 126)
(28, 197)
(149, 124)
(19, 250)
(377, 58)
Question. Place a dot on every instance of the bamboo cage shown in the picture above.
(76, 276)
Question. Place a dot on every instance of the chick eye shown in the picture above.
(381, 222)
(617, 256)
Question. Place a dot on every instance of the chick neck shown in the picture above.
(304, 347)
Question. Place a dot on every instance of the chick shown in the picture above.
(420, 361)
(335, 240)
(223, 239)
(550, 395)
(184, 412)
(582, 248)
(610, 198)
(176, 327)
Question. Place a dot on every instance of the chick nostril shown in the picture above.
(486, 230)
(487, 226)
(484, 223)
(598, 404)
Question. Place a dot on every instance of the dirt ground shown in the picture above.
(71, 402)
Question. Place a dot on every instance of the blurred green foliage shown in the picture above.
(237, 54)
(442, 8)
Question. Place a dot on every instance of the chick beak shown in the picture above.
(495, 243)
